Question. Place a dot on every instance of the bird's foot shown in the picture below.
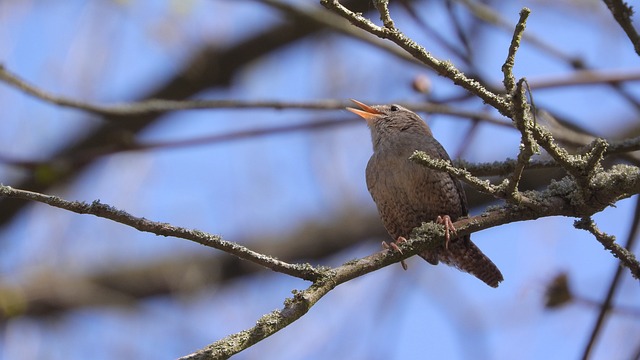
(448, 228)
(394, 246)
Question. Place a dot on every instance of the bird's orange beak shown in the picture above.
(368, 113)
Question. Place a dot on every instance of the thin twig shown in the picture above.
(615, 282)
(626, 257)
(521, 114)
(574, 164)
(385, 16)
(593, 156)
(509, 80)
(484, 186)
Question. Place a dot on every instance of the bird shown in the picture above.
(408, 194)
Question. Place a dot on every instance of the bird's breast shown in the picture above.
(407, 193)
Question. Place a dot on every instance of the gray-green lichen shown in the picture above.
(430, 232)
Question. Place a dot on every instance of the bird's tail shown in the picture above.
(466, 256)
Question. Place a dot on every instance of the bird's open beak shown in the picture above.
(368, 113)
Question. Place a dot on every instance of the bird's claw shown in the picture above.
(448, 228)
(394, 247)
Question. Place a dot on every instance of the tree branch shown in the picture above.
(302, 271)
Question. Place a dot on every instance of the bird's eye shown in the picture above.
(394, 108)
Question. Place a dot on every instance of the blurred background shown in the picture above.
(290, 182)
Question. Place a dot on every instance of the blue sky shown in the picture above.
(112, 51)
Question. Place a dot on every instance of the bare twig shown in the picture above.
(503, 168)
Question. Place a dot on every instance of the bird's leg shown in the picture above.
(394, 246)
(448, 228)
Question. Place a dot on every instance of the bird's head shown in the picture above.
(390, 122)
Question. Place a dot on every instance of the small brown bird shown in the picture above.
(408, 194)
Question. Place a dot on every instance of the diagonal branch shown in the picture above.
(302, 271)
(443, 68)
(614, 284)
